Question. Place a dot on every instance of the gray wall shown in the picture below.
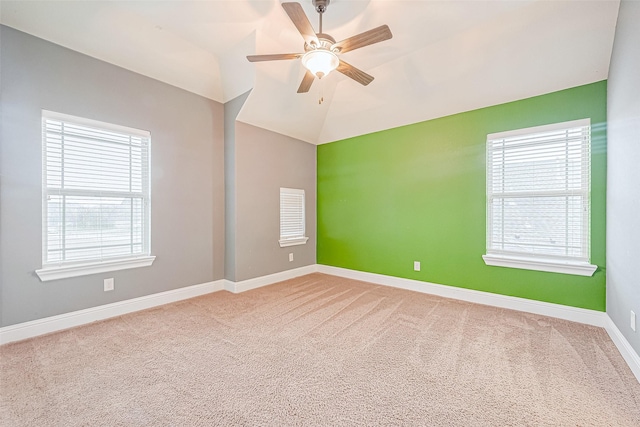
(257, 163)
(231, 110)
(266, 161)
(623, 177)
(187, 170)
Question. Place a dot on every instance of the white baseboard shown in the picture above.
(574, 314)
(580, 315)
(628, 353)
(47, 325)
(68, 320)
(60, 322)
(247, 285)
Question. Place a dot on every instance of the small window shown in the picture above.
(96, 197)
(292, 217)
(538, 198)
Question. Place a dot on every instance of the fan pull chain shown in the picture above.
(321, 90)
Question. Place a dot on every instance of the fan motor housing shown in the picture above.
(326, 41)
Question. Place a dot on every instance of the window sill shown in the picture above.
(293, 242)
(549, 265)
(62, 272)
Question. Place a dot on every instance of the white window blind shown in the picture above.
(292, 221)
(538, 192)
(96, 191)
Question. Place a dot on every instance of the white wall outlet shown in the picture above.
(633, 320)
(416, 265)
(108, 284)
(290, 257)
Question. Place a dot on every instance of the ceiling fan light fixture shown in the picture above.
(320, 62)
(321, 56)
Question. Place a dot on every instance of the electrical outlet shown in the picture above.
(290, 257)
(108, 284)
(633, 320)
(416, 265)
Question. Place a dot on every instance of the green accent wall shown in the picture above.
(417, 193)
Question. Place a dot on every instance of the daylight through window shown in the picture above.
(96, 191)
(538, 193)
(292, 221)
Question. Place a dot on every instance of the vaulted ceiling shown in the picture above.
(445, 57)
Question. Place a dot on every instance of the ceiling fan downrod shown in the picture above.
(321, 7)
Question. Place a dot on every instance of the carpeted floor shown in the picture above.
(320, 350)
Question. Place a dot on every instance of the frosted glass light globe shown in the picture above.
(320, 62)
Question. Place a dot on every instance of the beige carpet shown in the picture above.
(320, 350)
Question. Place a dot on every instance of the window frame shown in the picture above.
(300, 239)
(54, 270)
(548, 263)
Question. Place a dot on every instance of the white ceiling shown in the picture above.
(445, 57)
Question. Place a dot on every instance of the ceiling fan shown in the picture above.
(321, 50)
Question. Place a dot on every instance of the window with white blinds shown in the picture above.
(292, 221)
(96, 194)
(538, 196)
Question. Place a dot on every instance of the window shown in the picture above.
(292, 217)
(96, 197)
(538, 198)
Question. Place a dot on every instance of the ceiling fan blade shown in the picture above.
(356, 74)
(300, 20)
(274, 57)
(376, 35)
(307, 80)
